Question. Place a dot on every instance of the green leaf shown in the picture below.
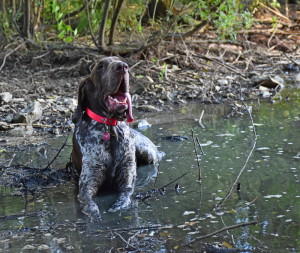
(61, 35)
(56, 8)
(69, 39)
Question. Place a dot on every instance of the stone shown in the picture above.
(31, 113)
(223, 82)
(44, 248)
(70, 103)
(148, 108)
(28, 248)
(9, 118)
(5, 97)
(143, 125)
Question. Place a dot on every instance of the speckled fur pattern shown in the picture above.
(112, 161)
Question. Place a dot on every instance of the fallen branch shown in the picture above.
(154, 227)
(12, 51)
(239, 225)
(237, 71)
(17, 216)
(246, 162)
(277, 13)
(152, 192)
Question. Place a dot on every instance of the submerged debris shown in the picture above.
(176, 138)
(28, 180)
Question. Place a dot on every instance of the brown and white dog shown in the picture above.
(105, 149)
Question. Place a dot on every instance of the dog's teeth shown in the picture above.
(125, 99)
(116, 100)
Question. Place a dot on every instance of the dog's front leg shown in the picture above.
(91, 178)
(125, 178)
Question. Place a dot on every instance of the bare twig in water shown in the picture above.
(202, 152)
(154, 227)
(200, 120)
(153, 192)
(17, 216)
(246, 162)
(222, 230)
(49, 164)
(127, 242)
(173, 181)
(197, 155)
(11, 160)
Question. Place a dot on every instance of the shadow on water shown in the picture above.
(269, 190)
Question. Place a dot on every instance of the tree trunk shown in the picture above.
(114, 22)
(101, 39)
(27, 20)
(3, 10)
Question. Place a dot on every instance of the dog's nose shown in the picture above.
(122, 67)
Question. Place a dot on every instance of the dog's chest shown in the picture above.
(94, 146)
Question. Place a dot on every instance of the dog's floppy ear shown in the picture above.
(82, 100)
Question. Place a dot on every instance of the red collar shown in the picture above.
(101, 119)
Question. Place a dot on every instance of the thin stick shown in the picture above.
(202, 152)
(11, 160)
(136, 64)
(128, 244)
(135, 228)
(41, 56)
(57, 152)
(222, 230)
(156, 175)
(5, 57)
(200, 120)
(275, 12)
(246, 162)
(296, 63)
(197, 156)
(173, 181)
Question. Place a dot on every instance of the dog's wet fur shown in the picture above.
(112, 161)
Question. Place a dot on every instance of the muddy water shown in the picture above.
(51, 221)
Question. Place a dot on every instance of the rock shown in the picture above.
(28, 248)
(269, 82)
(29, 114)
(148, 108)
(9, 118)
(278, 79)
(70, 103)
(297, 78)
(223, 82)
(44, 248)
(59, 240)
(5, 97)
(143, 125)
(19, 118)
(265, 92)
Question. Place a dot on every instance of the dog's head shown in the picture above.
(106, 91)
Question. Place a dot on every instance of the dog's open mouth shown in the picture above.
(120, 101)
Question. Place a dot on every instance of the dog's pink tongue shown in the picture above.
(129, 117)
